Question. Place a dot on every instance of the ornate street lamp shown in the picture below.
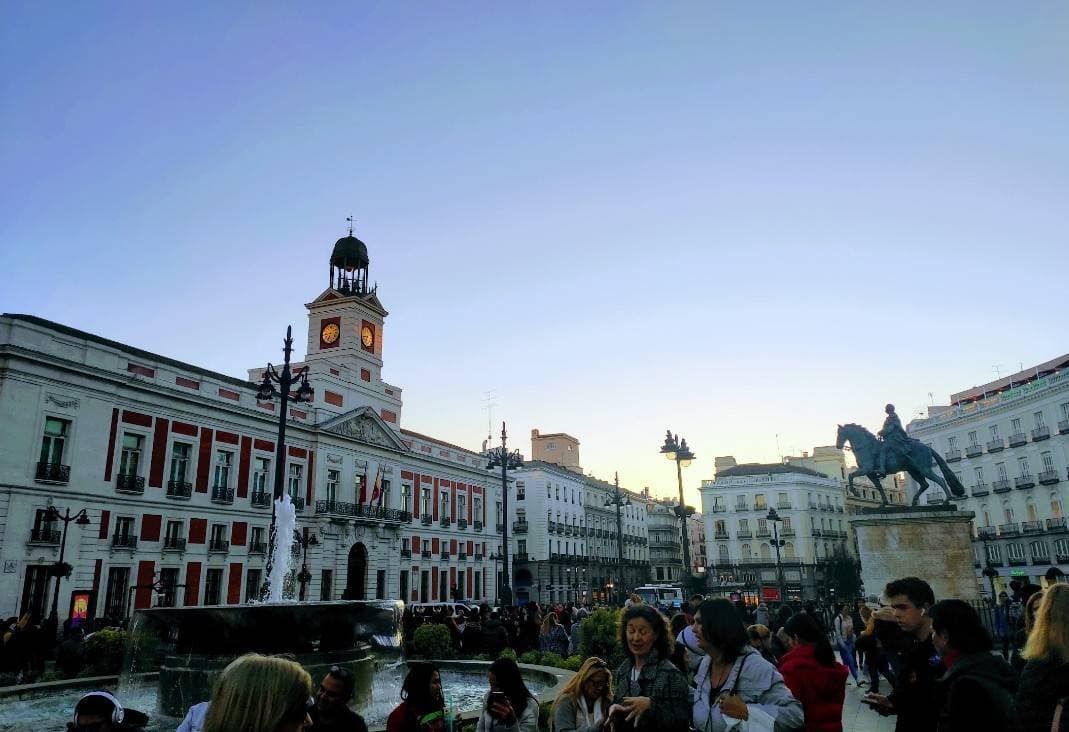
(618, 500)
(286, 380)
(60, 569)
(500, 457)
(677, 451)
(304, 576)
(774, 519)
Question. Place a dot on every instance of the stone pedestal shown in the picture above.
(930, 542)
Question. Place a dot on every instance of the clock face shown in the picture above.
(330, 333)
(367, 336)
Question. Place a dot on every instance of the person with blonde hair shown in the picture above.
(1045, 678)
(258, 694)
(553, 638)
(583, 704)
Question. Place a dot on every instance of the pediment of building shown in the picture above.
(364, 425)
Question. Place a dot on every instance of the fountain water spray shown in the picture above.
(285, 525)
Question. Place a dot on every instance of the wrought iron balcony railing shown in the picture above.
(519, 527)
(1041, 433)
(1048, 477)
(996, 445)
(1018, 438)
(952, 456)
(174, 544)
(124, 541)
(218, 545)
(359, 510)
(130, 484)
(975, 450)
(1024, 481)
(222, 494)
(258, 547)
(179, 489)
(261, 499)
(47, 536)
(53, 473)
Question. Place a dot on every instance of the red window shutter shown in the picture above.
(238, 533)
(198, 530)
(105, 519)
(143, 593)
(111, 445)
(159, 453)
(243, 466)
(436, 499)
(434, 582)
(192, 584)
(435, 545)
(150, 527)
(233, 587)
(204, 460)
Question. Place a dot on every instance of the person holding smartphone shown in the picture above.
(510, 706)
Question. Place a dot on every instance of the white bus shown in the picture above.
(668, 595)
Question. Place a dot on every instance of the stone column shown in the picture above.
(930, 542)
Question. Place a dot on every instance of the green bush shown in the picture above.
(508, 653)
(572, 663)
(104, 650)
(50, 676)
(432, 641)
(600, 636)
(545, 711)
(553, 659)
(532, 657)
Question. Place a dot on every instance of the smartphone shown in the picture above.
(497, 697)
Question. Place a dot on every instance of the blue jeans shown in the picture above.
(846, 650)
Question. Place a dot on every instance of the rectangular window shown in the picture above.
(406, 499)
(326, 585)
(425, 501)
(296, 480)
(115, 599)
(1038, 417)
(443, 505)
(180, 456)
(258, 541)
(979, 471)
(477, 508)
(384, 499)
(218, 533)
(213, 586)
(521, 546)
(124, 526)
(1001, 468)
(744, 524)
(759, 502)
(259, 475)
(972, 438)
(762, 526)
(130, 460)
(224, 459)
(1048, 462)
(994, 433)
(1015, 551)
(521, 490)
(1022, 466)
(54, 440)
(462, 507)
(168, 581)
(333, 476)
(174, 530)
(1015, 423)
(952, 443)
(380, 584)
(252, 584)
(1065, 410)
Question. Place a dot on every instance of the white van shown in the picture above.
(668, 595)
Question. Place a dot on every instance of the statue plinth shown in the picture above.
(930, 542)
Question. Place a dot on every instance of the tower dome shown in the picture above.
(349, 253)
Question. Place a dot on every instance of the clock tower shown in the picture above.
(345, 329)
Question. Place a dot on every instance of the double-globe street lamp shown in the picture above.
(618, 500)
(500, 457)
(285, 380)
(677, 451)
(81, 518)
(774, 519)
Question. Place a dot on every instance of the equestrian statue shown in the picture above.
(894, 451)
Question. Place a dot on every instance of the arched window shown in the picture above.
(985, 514)
(766, 551)
(1030, 510)
(1055, 505)
(1007, 511)
(788, 550)
(747, 552)
(722, 550)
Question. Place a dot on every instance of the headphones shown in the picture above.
(117, 712)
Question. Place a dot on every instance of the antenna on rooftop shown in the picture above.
(349, 218)
(998, 370)
(489, 407)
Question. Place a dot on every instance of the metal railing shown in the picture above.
(1048, 477)
(1040, 433)
(952, 455)
(124, 541)
(375, 513)
(258, 547)
(1024, 481)
(174, 544)
(222, 494)
(1018, 438)
(519, 527)
(53, 473)
(445, 522)
(261, 499)
(44, 536)
(974, 450)
(218, 545)
(1011, 529)
(462, 523)
(130, 484)
(996, 445)
(179, 489)
(1002, 485)
(1031, 526)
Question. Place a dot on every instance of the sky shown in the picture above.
(744, 222)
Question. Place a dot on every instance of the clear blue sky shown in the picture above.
(735, 220)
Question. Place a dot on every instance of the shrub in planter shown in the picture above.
(572, 663)
(532, 657)
(104, 652)
(552, 659)
(432, 641)
(508, 653)
(600, 636)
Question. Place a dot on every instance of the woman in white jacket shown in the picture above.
(509, 707)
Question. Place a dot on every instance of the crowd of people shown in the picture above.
(711, 668)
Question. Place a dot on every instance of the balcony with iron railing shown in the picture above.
(45, 536)
(742, 506)
(222, 494)
(812, 505)
(1063, 558)
(369, 513)
(218, 546)
(478, 556)
(260, 499)
(519, 527)
(980, 490)
(1002, 485)
(996, 445)
(1056, 524)
(720, 509)
(298, 502)
(521, 556)
(1048, 477)
(786, 531)
(783, 505)
(258, 547)
(1041, 433)
(721, 535)
(1029, 527)
(1018, 438)
(425, 554)
(995, 562)
(130, 484)
(124, 541)
(818, 533)
(974, 450)
(740, 534)
(1017, 561)
(764, 533)
(477, 525)
(1063, 427)
(1024, 481)
(462, 524)
(406, 554)
(179, 489)
(500, 528)
(426, 519)
(1041, 559)
(552, 526)
(462, 555)
(445, 554)
(53, 473)
(174, 543)
(952, 456)
(1011, 529)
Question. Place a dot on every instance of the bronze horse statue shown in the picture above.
(917, 462)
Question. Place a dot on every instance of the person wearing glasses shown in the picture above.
(332, 712)
(583, 704)
(651, 693)
(258, 694)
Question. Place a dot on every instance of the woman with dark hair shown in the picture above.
(812, 674)
(651, 693)
(733, 682)
(422, 707)
(509, 706)
(977, 690)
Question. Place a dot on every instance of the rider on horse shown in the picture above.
(895, 439)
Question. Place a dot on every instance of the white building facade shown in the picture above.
(738, 533)
(175, 465)
(1008, 443)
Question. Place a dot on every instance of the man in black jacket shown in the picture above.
(913, 699)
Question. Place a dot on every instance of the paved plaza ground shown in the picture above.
(858, 717)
